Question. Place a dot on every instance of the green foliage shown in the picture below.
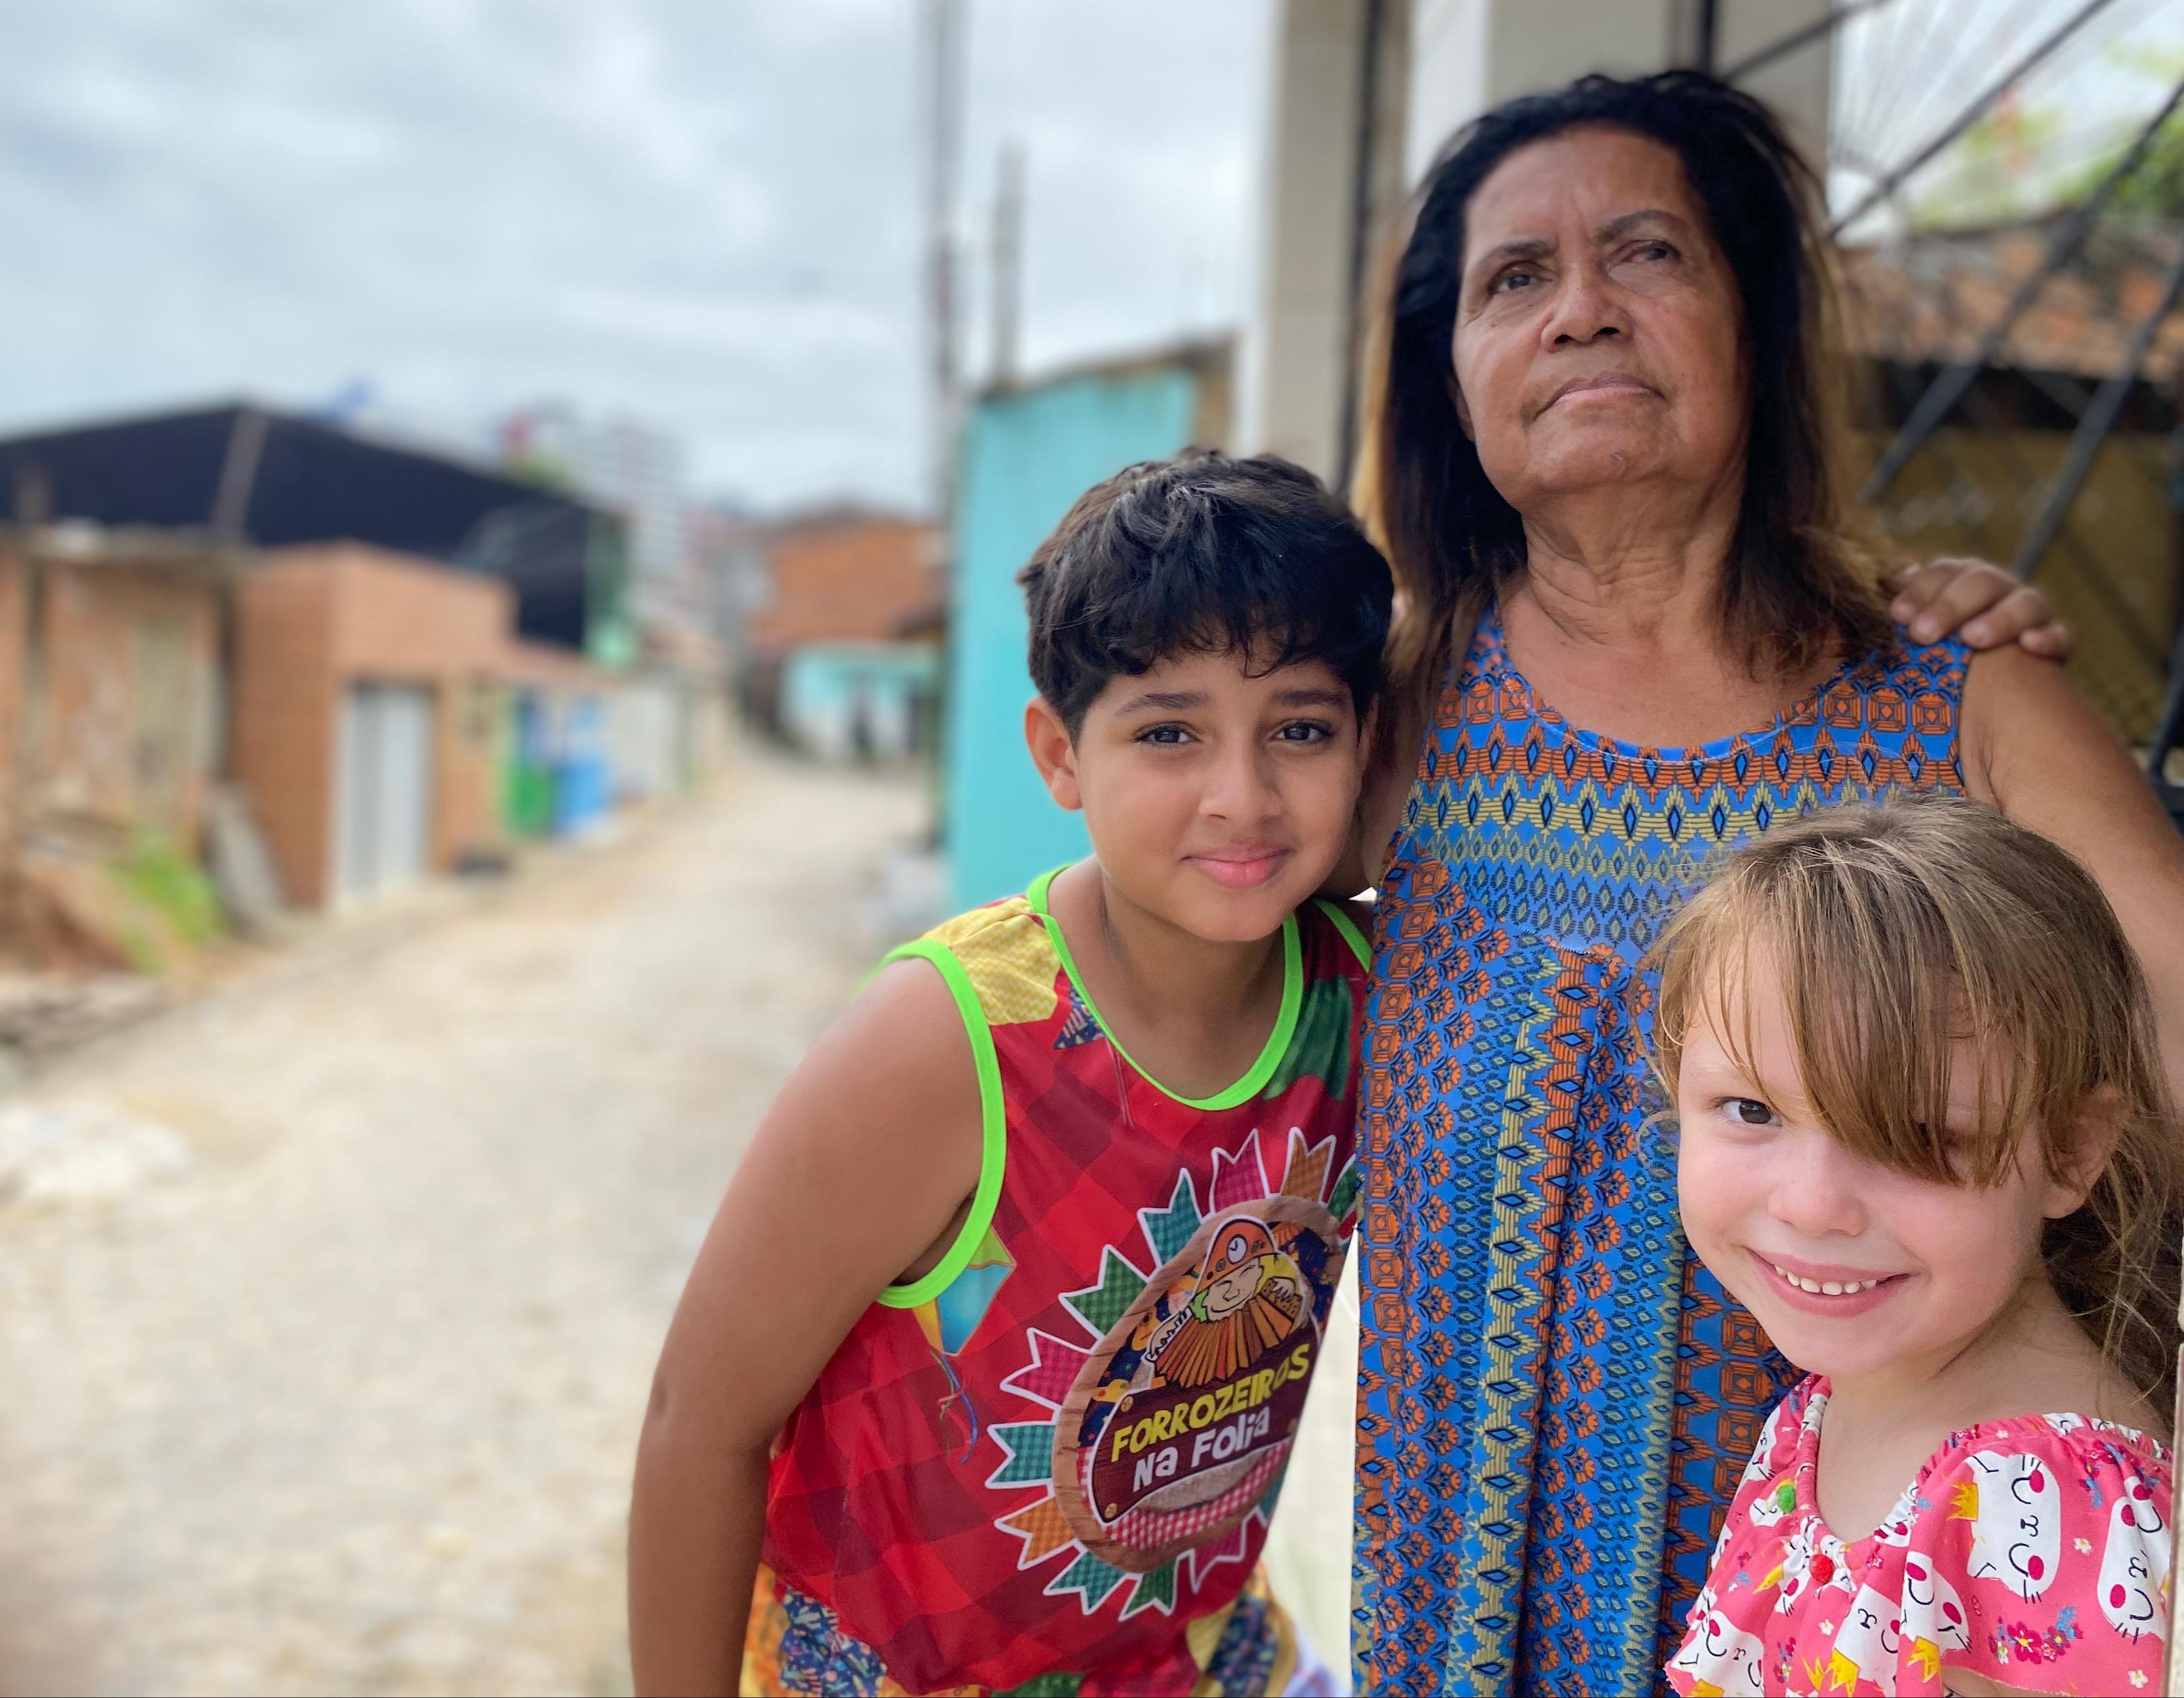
(175, 888)
(2156, 189)
(1998, 170)
(541, 471)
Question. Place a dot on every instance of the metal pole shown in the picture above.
(1965, 120)
(943, 30)
(2093, 429)
(1948, 388)
(1008, 262)
(2169, 725)
(1706, 51)
(1367, 142)
(229, 519)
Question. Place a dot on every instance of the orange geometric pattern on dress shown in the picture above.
(1550, 1394)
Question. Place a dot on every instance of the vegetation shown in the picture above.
(182, 904)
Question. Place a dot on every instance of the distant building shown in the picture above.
(629, 468)
(840, 637)
(368, 717)
(731, 548)
(109, 683)
(1027, 452)
(243, 474)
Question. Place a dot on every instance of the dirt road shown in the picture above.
(323, 1363)
(340, 1397)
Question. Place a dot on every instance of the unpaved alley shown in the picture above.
(336, 1388)
(327, 1328)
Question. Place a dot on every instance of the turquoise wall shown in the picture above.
(1026, 457)
(822, 684)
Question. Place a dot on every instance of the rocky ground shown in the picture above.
(327, 1303)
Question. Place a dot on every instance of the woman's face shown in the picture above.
(1599, 337)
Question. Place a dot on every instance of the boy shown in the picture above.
(994, 1351)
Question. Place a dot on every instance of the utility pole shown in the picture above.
(942, 23)
(1008, 262)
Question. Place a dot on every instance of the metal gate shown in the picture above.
(383, 827)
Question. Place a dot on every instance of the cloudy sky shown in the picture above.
(704, 214)
(701, 214)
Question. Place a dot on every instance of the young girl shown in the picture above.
(1926, 1140)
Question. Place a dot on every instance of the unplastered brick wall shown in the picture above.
(853, 579)
(130, 658)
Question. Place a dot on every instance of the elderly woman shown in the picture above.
(1634, 635)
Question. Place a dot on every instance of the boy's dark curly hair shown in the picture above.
(1204, 555)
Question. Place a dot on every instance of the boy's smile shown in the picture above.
(1241, 865)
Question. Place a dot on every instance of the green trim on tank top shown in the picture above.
(1348, 926)
(993, 1115)
(1278, 1041)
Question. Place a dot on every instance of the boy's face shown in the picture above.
(1216, 800)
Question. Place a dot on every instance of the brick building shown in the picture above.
(844, 577)
(368, 715)
(110, 654)
(841, 652)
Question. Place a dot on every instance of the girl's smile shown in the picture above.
(1825, 1289)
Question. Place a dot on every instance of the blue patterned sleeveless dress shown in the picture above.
(1555, 1399)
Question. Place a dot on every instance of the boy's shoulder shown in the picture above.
(1005, 956)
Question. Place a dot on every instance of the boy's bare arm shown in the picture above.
(860, 1165)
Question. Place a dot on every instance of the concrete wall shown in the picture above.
(311, 621)
(1467, 55)
(1026, 457)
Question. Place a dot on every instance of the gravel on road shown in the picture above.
(336, 1389)
(328, 1304)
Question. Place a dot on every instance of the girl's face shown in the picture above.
(1853, 1268)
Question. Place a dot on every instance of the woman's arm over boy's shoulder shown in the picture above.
(857, 1176)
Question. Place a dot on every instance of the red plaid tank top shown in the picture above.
(1058, 1452)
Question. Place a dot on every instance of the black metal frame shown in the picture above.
(1937, 404)
(1955, 385)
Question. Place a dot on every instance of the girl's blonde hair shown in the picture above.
(1898, 931)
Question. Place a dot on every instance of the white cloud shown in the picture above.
(702, 214)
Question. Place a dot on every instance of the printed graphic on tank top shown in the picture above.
(1057, 1454)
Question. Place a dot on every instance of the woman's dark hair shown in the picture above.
(1793, 589)
(1204, 555)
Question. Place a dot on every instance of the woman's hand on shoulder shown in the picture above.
(1982, 605)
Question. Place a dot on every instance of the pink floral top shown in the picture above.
(2034, 1551)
